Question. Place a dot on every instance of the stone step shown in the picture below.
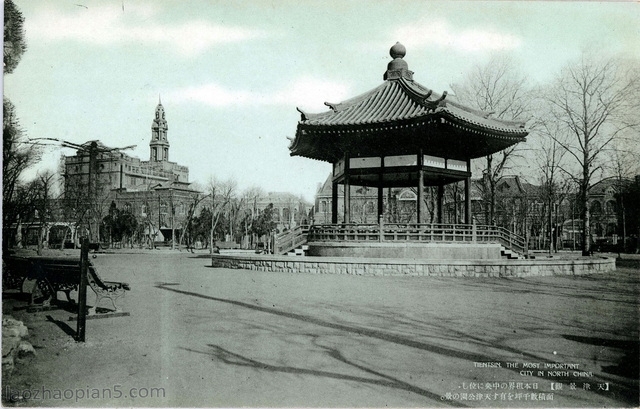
(299, 252)
(509, 254)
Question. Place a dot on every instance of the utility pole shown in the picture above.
(82, 291)
(92, 162)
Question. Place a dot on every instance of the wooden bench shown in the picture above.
(43, 277)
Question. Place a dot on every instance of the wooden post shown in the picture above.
(347, 190)
(334, 203)
(380, 201)
(474, 232)
(92, 192)
(419, 205)
(467, 200)
(381, 188)
(347, 200)
(82, 291)
(440, 197)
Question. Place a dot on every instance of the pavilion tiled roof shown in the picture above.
(400, 103)
(400, 100)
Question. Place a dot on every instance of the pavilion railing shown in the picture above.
(291, 239)
(413, 232)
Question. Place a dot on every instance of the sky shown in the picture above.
(231, 74)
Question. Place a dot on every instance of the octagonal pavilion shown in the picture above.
(401, 134)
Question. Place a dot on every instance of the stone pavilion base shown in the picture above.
(403, 250)
(415, 267)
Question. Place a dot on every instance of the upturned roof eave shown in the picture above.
(409, 121)
(420, 102)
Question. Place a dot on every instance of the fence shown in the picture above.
(413, 232)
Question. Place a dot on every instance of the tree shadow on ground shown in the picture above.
(449, 352)
(626, 388)
(627, 366)
(533, 286)
(231, 358)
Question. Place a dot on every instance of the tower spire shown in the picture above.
(159, 144)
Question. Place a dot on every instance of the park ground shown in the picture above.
(201, 336)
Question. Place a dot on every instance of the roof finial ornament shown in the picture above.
(398, 68)
(398, 50)
(159, 100)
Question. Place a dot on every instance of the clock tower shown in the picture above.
(159, 144)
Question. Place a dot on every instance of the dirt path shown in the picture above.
(199, 336)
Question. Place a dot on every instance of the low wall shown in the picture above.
(416, 267)
(430, 251)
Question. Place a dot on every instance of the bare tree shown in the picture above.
(624, 165)
(45, 182)
(592, 100)
(17, 156)
(550, 160)
(498, 89)
(250, 210)
(195, 199)
(221, 193)
(87, 197)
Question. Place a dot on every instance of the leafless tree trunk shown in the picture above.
(624, 166)
(499, 90)
(195, 201)
(591, 100)
(221, 193)
(550, 161)
(44, 182)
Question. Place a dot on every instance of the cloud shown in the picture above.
(105, 25)
(305, 92)
(440, 33)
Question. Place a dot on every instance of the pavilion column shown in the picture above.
(334, 203)
(381, 189)
(440, 196)
(420, 203)
(467, 200)
(347, 200)
(380, 201)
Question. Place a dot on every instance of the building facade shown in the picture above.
(520, 207)
(399, 204)
(289, 210)
(157, 191)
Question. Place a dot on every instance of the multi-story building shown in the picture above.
(289, 210)
(399, 204)
(156, 191)
(603, 207)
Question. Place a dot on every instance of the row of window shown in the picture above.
(155, 151)
(369, 207)
(610, 207)
(180, 209)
